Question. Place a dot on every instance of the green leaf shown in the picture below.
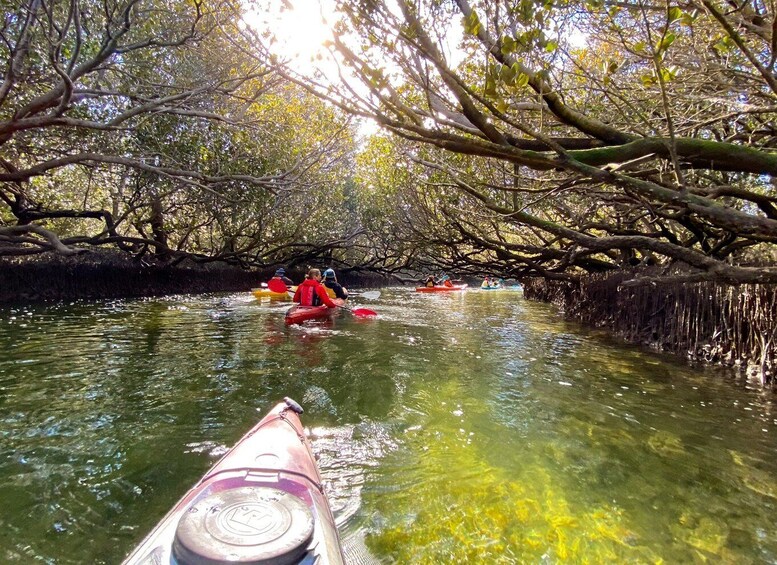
(666, 41)
(522, 80)
(648, 80)
(551, 46)
(507, 75)
(509, 45)
(724, 44)
(490, 88)
(688, 19)
(472, 24)
(526, 12)
(675, 13)
(668, 74)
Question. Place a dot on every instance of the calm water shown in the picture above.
(453, 429)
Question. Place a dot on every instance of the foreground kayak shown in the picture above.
(267, 293)
(298, 314)
(262, 503)
(441, 288)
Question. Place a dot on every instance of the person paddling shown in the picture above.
(330, 281)
(280, 274)
(311, 292)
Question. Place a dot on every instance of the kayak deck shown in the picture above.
(263, 502)
(298, 314)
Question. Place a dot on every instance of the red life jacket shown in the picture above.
(307, 293)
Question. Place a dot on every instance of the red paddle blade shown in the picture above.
(277, 285)
(364, 313)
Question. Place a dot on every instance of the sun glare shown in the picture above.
(298, 27)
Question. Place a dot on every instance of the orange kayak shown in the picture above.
(263, 502)
(440, 288)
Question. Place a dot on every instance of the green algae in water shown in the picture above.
(489, 517)
(456, 506)
(578, 484)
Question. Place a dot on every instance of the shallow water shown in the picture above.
(475, 427)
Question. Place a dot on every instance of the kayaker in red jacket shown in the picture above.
(280, 274)
(311, 292)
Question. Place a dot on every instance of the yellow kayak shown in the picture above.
(267, 293)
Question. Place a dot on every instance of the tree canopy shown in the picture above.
(150, 126)
(520, 137)
(648, 140)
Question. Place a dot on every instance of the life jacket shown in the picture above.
(448, 282)
(308, 295)
(334, 289)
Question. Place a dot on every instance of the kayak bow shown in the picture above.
(262, 503)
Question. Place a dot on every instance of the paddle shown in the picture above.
(277, 285)
(369, 295)
(360, 312)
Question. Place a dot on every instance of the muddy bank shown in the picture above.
(109, 275)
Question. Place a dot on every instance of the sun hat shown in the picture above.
(280, 271)
(329, 274)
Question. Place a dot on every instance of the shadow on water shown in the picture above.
(468, 428)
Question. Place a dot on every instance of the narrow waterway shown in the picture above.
(476, 428)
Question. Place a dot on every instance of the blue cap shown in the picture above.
(329, 274)
(280, 271)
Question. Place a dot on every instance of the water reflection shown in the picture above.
(472, 427)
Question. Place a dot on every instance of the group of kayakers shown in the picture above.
(492, 282)
(312, 291)
(444, 280)
(432, 281)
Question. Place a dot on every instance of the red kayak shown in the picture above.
(298, 314)
(262, 503)
(440, 288)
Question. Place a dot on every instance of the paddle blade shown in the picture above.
(370, 295)
(277, 285)
(364, 313)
